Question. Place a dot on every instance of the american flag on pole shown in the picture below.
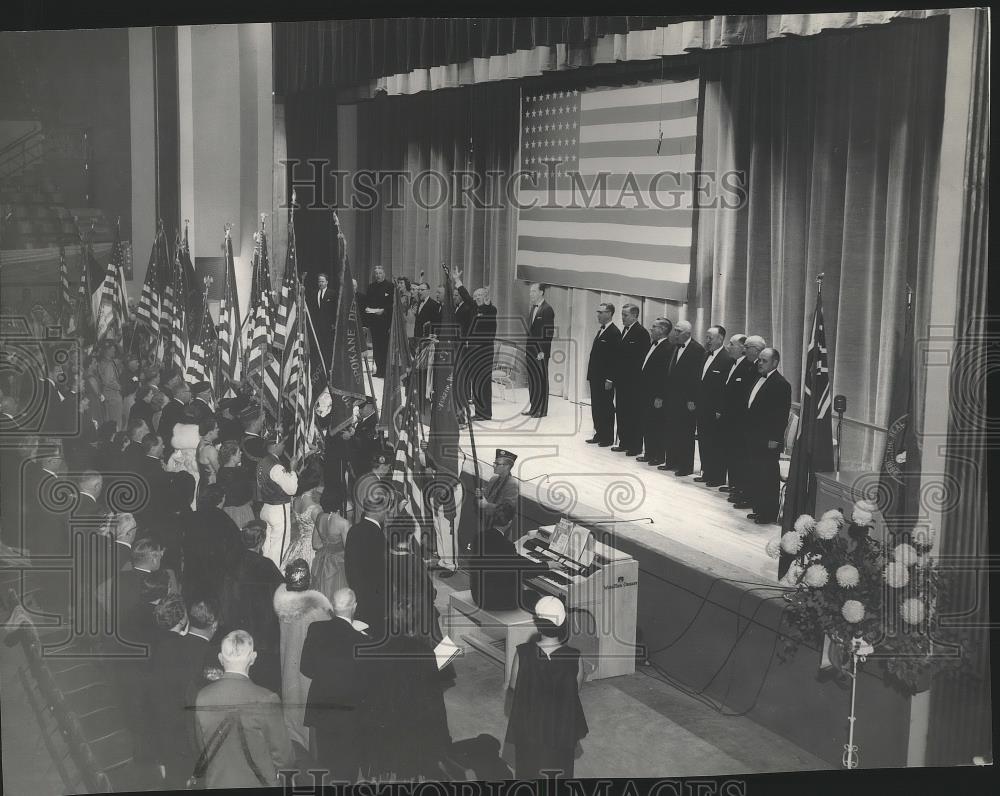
(229, 326)
(408, 465)
(114, 299)
(607, 203)
(199, 363)
(284, 329)
(179, 332)
(65, 292)
(813, 448)
(299, 389)
(148, 310)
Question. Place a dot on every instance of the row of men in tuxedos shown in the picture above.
(666, 389)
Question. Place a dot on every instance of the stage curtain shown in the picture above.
(838, 137)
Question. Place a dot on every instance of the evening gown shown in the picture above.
(327, 569)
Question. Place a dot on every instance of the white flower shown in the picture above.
(805, 523)
(791, 542)
(816, 576)
(913, 611)
(847, 576)
(834, 514)
(853, 611)
(905, 554)
(924, 537)
(896, 574)
(773, 548)
(827, 528)
(864, 513)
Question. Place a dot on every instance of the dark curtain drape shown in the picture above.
(472, 129)
(959, 726)
(311, 133)
(347, 52)
(838, 138)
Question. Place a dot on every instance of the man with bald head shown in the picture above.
(710, 392)
(683, 383)
(653, 392)
(768, 404)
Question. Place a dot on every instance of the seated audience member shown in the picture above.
(546, 716)
(241, 723)
(337, 689)
(297, 606)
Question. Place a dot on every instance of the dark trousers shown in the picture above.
(338, 740)
(654, 431)
(538, 384)
(628, 410)
(480, 378)
(713, 466)
(530, 760)
(602, 410)
(764, 481)
(380, 344)
(680, 438)
(736, 458)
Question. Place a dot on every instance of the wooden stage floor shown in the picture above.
(676, 516)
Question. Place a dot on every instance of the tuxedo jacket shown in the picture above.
(541, 330)
(198, 411)
(653, 379)
(632, 351)
(464, 314)
(322, 312)
(365, 567)
(767, 416)
(339, 677)
(380, 295)
(603, 363)
(428, 319)
(713, 381)
(735, 392)
(684, 377)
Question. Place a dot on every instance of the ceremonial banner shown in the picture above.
(607, 201)
(347, 380)
(397, 363)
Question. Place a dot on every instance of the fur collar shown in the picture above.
(294, 606)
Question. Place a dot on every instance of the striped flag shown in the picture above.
(65, 292)
(406, 422)
(148, 310)
(813, 448)
(178, 326)
(299, 388)
(607, 205)
(114, 300)
(259, 321)
(199, 362)
(229, 327)
(284, 330)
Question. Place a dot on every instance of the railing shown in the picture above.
(65, 143)
(22, 153)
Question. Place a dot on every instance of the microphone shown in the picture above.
(840, 404)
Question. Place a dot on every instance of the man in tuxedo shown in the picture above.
(768, 405)
(149, 467)
(709, 403)
(541, 330)
(173, 413)
(495, 567)
(322, 310)
(601, 368)
(742, 476)
(267, 748)
(632, 352)
(428, 314)
(480, 347)
(339, 687)
(465, 311)
(683, 382)
(734, 391)
(135, 430)
(378, 300)
(653, 392)
(365, 557)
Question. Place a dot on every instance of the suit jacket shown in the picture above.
(541, 330)
(143, 410)
(380, 295)
(246, 600)
(365, 567)
(339, 677)
(321, 312)
(632, 351)
(172, 414)
(603, 363)
(767, 417)
(198, 410)
(684, 378)
(464, 314)
(483, 327)
(428, 319)
(177, 675)
(55, 409)
(259, 711)
(653, 379)
(735, 392)
(495, 571)
(710, 389)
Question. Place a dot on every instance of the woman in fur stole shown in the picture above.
(297, 606)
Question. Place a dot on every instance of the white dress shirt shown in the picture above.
(732, 370)
(649, 353)
(756, 389)
(708, 361)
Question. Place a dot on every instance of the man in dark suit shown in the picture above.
(742, 378)
(322, 309)
(339, 686)
(632, 352)
(480, 347)
(683, 383)
(177, 669)
(465, 311)
(653, 392)
(365, 557)
(601, 369)
(173, 413)
(257, 747)
(200, 409)
(377, 301)
(768, 405)
(541, 330)
(149, 468)
(428, 314)
(709, 403)
(495, 568)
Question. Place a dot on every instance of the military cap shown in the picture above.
(505, 457)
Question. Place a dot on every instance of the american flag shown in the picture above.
(65, 292)
(284, 328)
(299, 390)
(148, 310)
(204, 346)
(594, 213)
(407, 424)
(259, 326)
(229, 327)
(114, 300)
(178, 326)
